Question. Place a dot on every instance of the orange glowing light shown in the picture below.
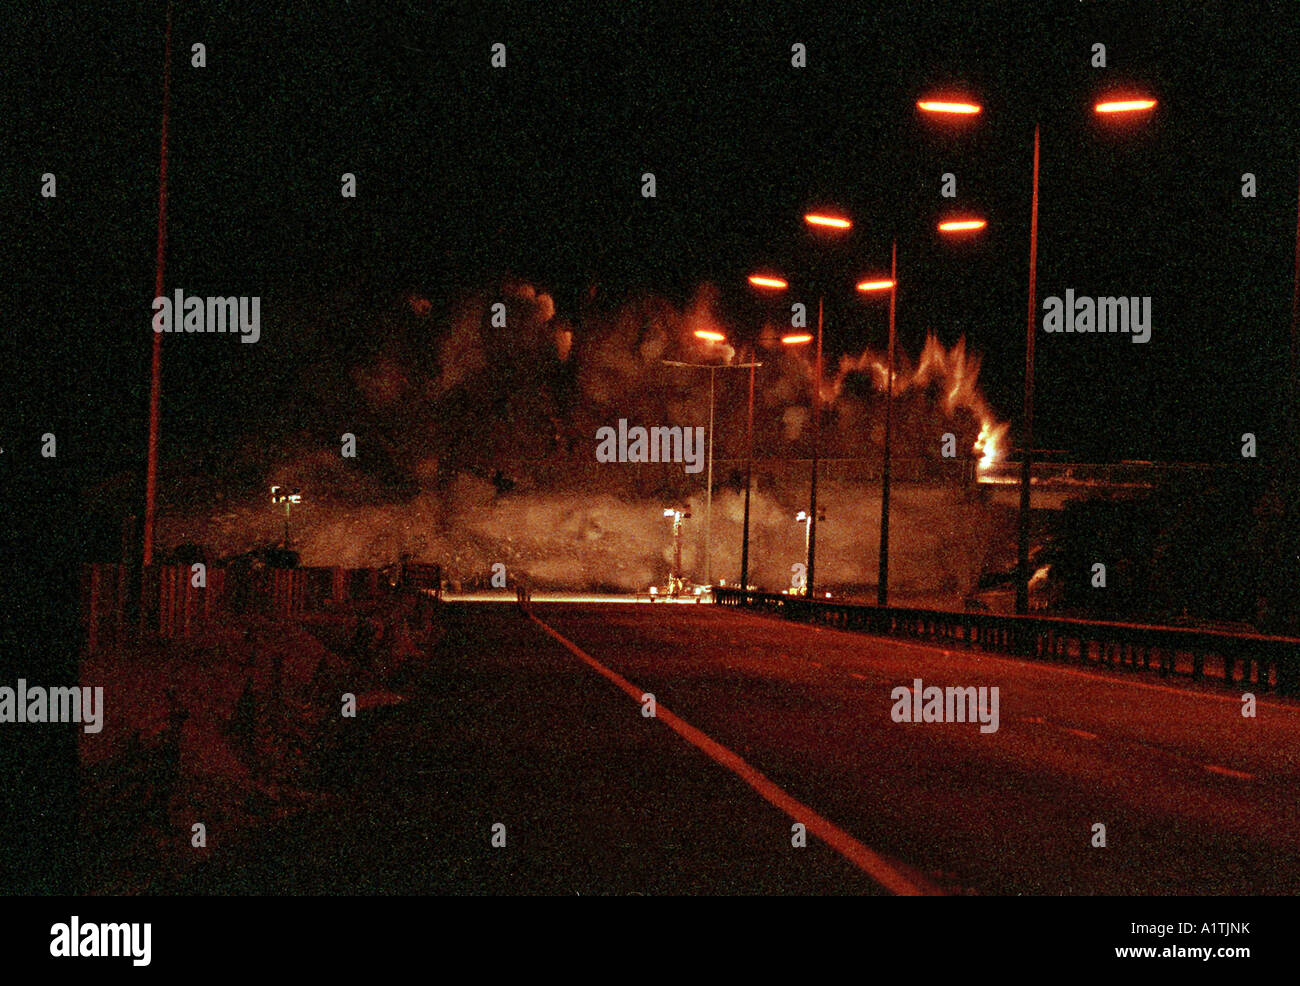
(940, 106)
(875, 285)
(797, 339)
(987, 444)
(960, 225)
(763, 281)
(710, 335)
(819, 219)
(1125, 105)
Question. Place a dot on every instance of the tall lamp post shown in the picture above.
(155, 359)
(280, 495)
(891, 285)
(832, 224)
(1108, 107)
(678, 514)
(768, 282)
(716, 338)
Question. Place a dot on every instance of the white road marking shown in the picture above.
(872, 864)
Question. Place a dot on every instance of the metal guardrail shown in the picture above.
(1266, 662)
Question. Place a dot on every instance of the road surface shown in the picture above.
(761, 724)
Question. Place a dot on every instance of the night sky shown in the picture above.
(467, 174)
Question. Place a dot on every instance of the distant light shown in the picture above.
(797, 339)
(958, 225)
(875, 285)
(710, 335)
(1125, 105)
(801, 516)
(820, 219)
(764, 281)
(939, 106)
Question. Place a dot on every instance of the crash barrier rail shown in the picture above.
(1266, 662)
(176, 600)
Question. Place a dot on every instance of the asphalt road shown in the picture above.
(760, 723)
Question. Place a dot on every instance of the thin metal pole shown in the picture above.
(151, 470)
(882, 582)
(1294, 377)
(1027, 452)
(708, 511)
(676, 550)
(749, 468)
(817, 437)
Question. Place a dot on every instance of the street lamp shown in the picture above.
(866, 286)
(961, 225)
(715, 338)
(890, 285)
(1106, 107)
(678, 515)
(841, 224)
(800, 339)
(280, 495)
(803, 517)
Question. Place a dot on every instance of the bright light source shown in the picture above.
(801, 516)
(710, 335)
(764, 281)
(820, 219)
(884, 285)
(798, 339)
(939, 106)
(1125, 105)
(960, 225)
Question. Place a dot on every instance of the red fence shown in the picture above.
(176, 600)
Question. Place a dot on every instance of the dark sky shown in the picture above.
(467, 173)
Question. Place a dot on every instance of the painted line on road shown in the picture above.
(870, 863)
